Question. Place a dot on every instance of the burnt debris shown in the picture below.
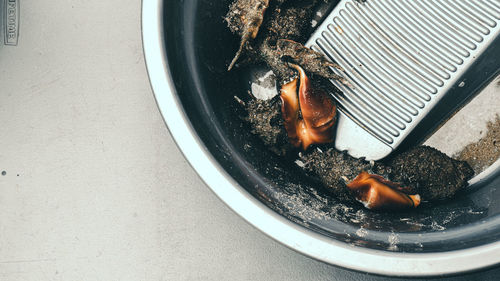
(281, 20)
(245, 18)
(430, 173)
(278, 29)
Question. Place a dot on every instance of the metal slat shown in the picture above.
(401, 57)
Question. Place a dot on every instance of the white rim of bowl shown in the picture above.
(266, 220)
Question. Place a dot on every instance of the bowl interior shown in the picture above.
(199, 47)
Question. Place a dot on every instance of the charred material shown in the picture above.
(264, 117)
(430, 173)
(310, 60)
(281, 34)
(335, 168)
(267, 53)
(245, 18)
(421, 170)
(289, 20)
(284, 19)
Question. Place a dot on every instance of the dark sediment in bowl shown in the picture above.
(199, 47)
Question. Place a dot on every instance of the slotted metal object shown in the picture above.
(411, 65)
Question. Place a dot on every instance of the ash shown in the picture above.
(486, 151)
(422, 170)
(430, 173)
(264, 117)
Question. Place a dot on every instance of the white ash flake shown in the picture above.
(264, 87)
(300, 163)
(393, 240)
(361, 232)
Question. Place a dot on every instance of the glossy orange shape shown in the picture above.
(376, 193)
(317, 108)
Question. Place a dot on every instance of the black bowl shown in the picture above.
(188, 48)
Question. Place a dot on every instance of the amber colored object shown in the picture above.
(375, 192)
(318, 112)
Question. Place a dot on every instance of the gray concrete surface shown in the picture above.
(94, 187)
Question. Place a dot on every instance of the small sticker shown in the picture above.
(11, 22)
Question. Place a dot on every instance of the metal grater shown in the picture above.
(410, 63)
